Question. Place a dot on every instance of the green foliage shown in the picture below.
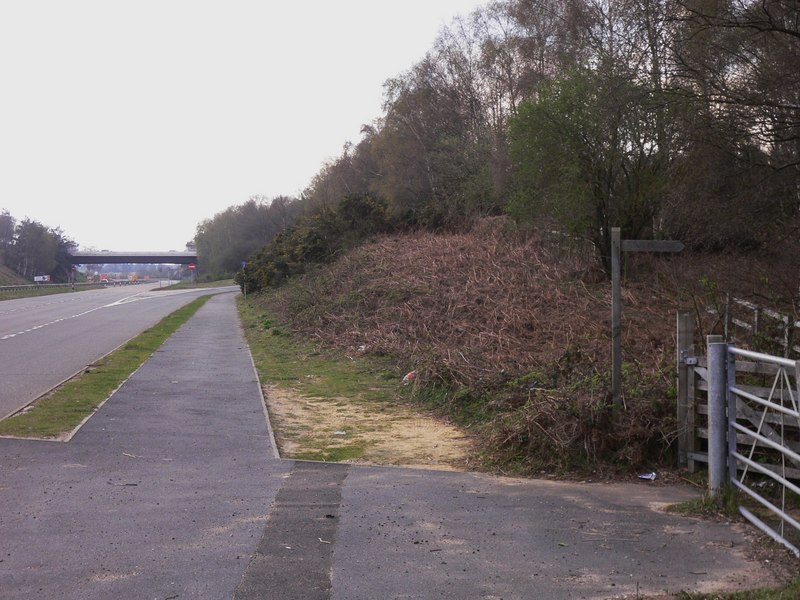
(787, 592)
(333, 454)
(465, 406)
(586, 155)
(315, 239)
(226, 240)
(7, 227)
(551, 165)
(725, 504)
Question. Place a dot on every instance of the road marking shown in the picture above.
(40, 305)
(126, 300)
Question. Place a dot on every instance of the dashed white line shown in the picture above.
(139, 296)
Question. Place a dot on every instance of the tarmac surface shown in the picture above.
(45, 340)
(173, 490)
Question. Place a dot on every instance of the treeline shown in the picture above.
(228, 238)
(669, 118)
(316, 238)
(30, 248)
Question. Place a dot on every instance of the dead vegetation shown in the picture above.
(510, 331)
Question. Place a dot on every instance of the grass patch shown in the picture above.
(287, 362)
(789, 592)
(337, 454)
(724, 505)
(187, 285)
(67, 406)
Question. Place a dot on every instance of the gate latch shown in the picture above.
(690, 361)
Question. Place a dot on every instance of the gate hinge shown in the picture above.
(688, 360)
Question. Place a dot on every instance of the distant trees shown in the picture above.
(31, 249)
(228, 238)
(7, 226)
(668, 118)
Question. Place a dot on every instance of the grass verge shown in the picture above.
(289, 364)
(64, 408)
(334, 407)
(186, 285)
(789, 592)
(44, 291)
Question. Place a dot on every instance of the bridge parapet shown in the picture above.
(118, 258)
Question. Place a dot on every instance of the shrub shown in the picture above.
(316, 239)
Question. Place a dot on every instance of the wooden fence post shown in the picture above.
(618, 246)
(684, 402)
(787, 336)
(616, 320)
(727, 323)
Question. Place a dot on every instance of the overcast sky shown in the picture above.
(128, 123)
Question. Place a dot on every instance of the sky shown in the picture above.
(128, 123)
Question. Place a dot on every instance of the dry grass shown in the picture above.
(463, 307)
(363, 433)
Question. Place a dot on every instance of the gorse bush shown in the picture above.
(316, 239)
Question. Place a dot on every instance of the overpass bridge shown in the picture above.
(121, 258)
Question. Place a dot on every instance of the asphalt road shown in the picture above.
(48, 339)
(173, 490)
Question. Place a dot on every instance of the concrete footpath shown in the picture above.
(173, 491)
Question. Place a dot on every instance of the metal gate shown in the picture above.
(752, 432)
(777, 430)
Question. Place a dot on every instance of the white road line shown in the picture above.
(40, 305)
(126, 300)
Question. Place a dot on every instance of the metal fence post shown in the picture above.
(717, 417)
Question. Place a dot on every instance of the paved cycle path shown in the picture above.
(172, 491)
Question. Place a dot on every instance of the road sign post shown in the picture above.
(618, 246)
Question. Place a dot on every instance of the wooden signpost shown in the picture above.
(618, 246)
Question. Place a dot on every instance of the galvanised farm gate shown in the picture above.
(739, 412)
